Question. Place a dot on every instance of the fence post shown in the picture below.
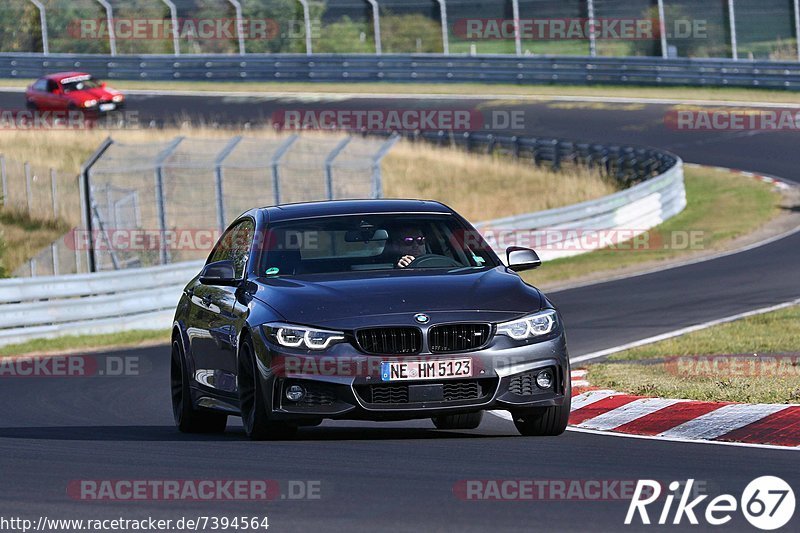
(112, 32)
(4, 178)
(376, 25)
(329, 165)
(173, 14)
(218, 180)
(517, 36)
(275, 163)
(445, 31)
(732, 17)
(592, 22)
(163, 254)
(237, 6)
(86, 201)
(28, 190)
(307, 22)
(377, 177)
(54, 192)
(43, 22)
(662, 28)
(54, 253)
(797, 26)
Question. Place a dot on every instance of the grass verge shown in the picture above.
(621, 91)
(22, 237)
(670, 369)
(73, 343)
(720, 207)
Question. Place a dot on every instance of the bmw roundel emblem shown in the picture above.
(422, 318)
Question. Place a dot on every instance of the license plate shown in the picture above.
(108, 107)
(419, 370)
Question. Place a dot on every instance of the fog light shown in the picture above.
(544, 379)
(295, 393)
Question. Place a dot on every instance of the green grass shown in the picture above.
(720, 207)
(674, 93)
(752, 382)
(72, 343)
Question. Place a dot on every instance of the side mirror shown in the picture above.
(219, 273)
(103, 85)
(520, 259)
(57, 91)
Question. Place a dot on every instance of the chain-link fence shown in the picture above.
(759, 29)
(167, 202)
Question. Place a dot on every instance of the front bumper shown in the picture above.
(346, 384)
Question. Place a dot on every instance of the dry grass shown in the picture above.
(484, 188)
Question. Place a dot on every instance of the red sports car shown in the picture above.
(72, 91)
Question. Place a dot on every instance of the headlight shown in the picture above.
(531, 326)
(117, 98)
(302, 337)
(90, 103)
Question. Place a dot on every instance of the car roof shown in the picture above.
(352, 207)
(58, 76)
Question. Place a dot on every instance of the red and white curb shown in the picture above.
(778, 183)
(671, 419)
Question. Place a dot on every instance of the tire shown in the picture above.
(31, 105)
(546, 421)
(460, 421)
(255, 419)
(187, 418)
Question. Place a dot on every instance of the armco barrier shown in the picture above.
(145, 298)
(428, 68)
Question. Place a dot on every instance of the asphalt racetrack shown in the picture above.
(401, 476)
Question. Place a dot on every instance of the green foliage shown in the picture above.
(413, 33)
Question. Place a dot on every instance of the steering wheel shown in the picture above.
(433, 261)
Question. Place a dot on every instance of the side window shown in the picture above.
(235, 245)
(40, 85)
(240, 247)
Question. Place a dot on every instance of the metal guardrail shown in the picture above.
(428, 68)
(116, 301)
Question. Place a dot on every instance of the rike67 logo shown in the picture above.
(767, 503)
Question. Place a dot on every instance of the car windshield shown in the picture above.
(79, 84)
(372, 242)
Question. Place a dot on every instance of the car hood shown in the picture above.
(349, 301)
(91, 94)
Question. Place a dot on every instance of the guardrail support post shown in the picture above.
(445, 31)
(797, 26)
(28, 190)
(160, 206)
(592, 22)
(112, 32)
(307, 22)
(662, 29)
(732, 17)
(376, 25)
(173, 14)
(4, 179)
(237, 6)
(218, 180)
(275, 164)
(54, 253)
(377, 177)
(329, 165)
(517, 36)
(43, 22)
(86, 202)
(54, 192)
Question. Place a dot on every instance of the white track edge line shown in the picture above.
(683, 331)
